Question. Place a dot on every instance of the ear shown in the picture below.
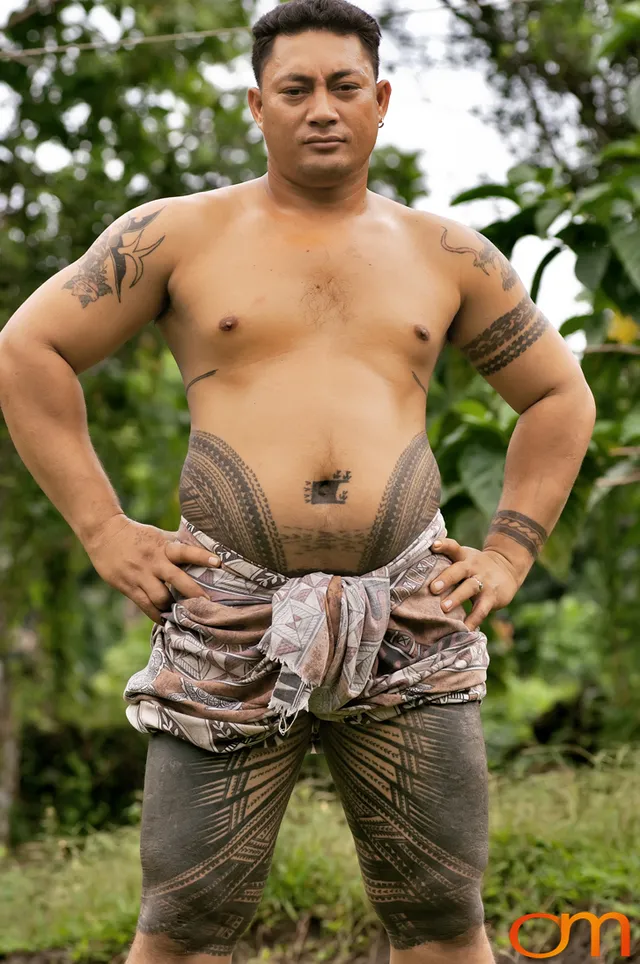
(383, 95)
(254, 97)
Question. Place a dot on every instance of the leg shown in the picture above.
(209, 827)
(415, 793)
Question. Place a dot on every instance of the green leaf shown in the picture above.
(468, 528)
(625, 239)
(624, 148)
(484, 191)
(557, 554)
(589, 194)
(547, 213)
(575, 323)
(482, 474)
(449, 491)
(522, 173)
(612, 42)
(591, 264)
(537, 278)
(633, 101)
(630, 429)
(470, 406)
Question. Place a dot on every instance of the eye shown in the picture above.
(293, 90)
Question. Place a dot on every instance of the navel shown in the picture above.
(228, 323)
(421, 332)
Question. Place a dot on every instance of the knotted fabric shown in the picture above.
(236, 668)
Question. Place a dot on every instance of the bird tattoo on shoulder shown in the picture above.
(121, 246)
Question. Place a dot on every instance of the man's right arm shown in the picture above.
(74, 320)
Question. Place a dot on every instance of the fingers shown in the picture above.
(481, 609)
(449, 577)
(183, 582)
(466, 590)
(448, 547)
(180, 553)
(482, 606)
(142, 601)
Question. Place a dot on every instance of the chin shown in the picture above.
(325, 175)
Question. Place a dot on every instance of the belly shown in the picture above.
(331, 501)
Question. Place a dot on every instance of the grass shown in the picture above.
(562, 840)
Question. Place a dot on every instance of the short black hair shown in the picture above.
(296, 16)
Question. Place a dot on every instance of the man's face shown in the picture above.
(315, 85)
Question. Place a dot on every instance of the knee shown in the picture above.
(455, 920)
(151, 948)
(193, 924)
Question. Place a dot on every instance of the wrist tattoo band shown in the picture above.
(521, 528)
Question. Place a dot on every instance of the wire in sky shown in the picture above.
(158, 38)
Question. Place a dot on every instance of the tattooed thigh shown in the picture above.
(415, 793)
(209, 827)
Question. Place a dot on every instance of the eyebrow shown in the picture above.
(336, 75)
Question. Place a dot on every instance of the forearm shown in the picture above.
(44, 408)
(544, 457)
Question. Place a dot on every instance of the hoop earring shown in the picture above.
(381, 124)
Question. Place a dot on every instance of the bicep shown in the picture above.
(505, 336)
(89, 309)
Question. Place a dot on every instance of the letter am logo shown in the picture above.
(565, 922)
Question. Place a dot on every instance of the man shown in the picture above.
(303, 598)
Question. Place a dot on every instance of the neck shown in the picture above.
(347, 197)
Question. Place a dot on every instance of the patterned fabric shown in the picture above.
(235, 669)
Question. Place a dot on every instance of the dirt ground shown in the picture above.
(301, 944)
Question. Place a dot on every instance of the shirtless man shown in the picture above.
(306, 315)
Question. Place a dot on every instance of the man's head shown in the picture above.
(317, 64)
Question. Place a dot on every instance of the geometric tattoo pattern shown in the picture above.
(222, 497)
(506, 338)
(521, 528)
(327, 491)
(414, 790)
(90, 282)
(410, 500)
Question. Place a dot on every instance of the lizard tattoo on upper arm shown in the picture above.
(488, 254)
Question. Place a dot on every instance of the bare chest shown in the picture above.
(251, 295)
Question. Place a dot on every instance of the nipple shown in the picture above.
(228, 323)
(421, 332)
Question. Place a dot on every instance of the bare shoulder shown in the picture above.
(189, 209)
(200, 216)
(434, 230)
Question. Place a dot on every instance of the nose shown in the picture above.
(321, 110)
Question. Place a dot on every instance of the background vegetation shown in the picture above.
(565, 665)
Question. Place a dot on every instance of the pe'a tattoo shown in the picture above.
(119, 249)
(521, 528)
(487, 254)
(506, 338)
(327, 491)
(222, 496)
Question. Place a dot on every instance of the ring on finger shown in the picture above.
(480, 583)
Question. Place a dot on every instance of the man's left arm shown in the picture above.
(511, 343)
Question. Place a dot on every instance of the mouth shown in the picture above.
(325, 141)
